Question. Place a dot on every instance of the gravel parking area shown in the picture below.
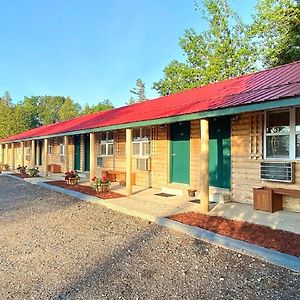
(56, 247)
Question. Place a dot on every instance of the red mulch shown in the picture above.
(264, 236)
(86, 190)
(22, 175)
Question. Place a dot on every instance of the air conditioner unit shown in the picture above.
(143, 164)
(100, 161)
(277, 171)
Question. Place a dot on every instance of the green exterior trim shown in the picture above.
(187, 117)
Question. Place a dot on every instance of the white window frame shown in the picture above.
(50, 149)
(142, 141)
(292, 134)
(107, 142)
(62, 149)
(27, 153)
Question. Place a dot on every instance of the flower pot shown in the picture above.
(105, 187)
(72, 181)
(192, 193)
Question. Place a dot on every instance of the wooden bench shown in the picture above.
(270, 199)
(119, 176)
(54, 168)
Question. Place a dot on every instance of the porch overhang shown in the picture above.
(270, 104)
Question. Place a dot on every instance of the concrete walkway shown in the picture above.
(147, 202)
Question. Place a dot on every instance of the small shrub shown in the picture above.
(22, 170)
(33, 172)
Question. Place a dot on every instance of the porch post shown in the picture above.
(66, 143)
(22, 154)
(38, 159)
(204, 165)
(128, 161)
(92, 156)
(12, 156)
(32, 157)
(45, 160)
(1, 153)
(6, 154)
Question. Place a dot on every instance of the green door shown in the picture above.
(220, 152)
(87, 153)
(41, 152)
(35, 153)
(180, 152)
(77, 152)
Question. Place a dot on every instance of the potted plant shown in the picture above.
(192, 192)
(21, 170)
(101, 184)
(33, 172)
(72, 177)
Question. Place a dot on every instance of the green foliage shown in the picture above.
(6, 115)
(138, 91)
(36, 111)
(49, 107)
(224, 51)
(105, 104)
(277, 28)
(69, 110)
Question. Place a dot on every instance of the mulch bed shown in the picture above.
(86, 190)
(280, 240)
(23, 175)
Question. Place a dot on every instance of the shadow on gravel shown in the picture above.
(112, 270)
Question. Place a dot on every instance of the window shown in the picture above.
(107, 146)
(282, 134)
(297, 129)
(27, 153)
(141, 142)
(61, 149)
(49, 149)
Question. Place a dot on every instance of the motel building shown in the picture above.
(236, 140)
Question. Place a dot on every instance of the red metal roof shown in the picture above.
(272, 84)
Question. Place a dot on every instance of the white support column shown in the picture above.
(22, 154)
(204, 165)
(1, 154)
(6, 154)
(92, 155)
(13, 156)
(128, 162)
(45, 160)
(32, 156)
(66, 143)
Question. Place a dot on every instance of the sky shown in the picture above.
(93, 49)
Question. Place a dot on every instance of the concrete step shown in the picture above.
(219, 195)
(178, 189)
(84, 175)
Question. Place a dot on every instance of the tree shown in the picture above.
(69, 110)
(6, 116)
(138, 91)
(277, 28)
(105, 104)
(49, 108)
(224, 51)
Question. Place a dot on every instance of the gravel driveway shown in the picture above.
(56, 247)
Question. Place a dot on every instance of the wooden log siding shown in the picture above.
(55, 157)
(158, 176)
(246, 157)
